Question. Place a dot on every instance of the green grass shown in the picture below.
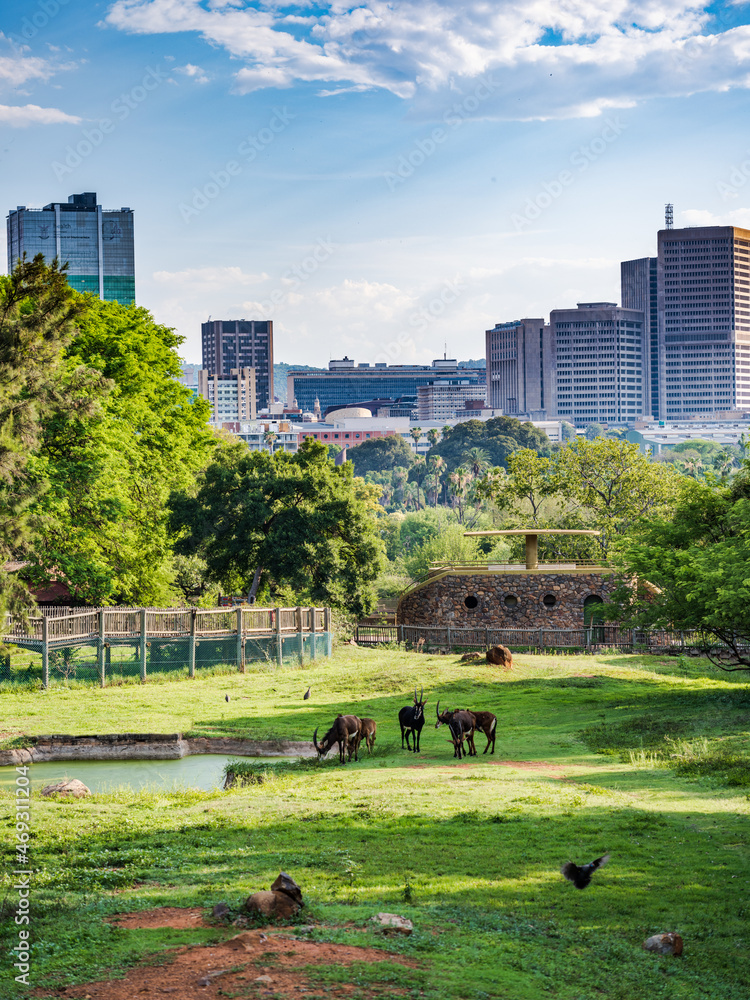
(470, 854)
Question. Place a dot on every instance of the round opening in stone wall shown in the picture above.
(511, 601)
(471, 602)
(549, 600)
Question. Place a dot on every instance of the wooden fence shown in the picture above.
(102, 627)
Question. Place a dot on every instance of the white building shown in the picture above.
(232, 397)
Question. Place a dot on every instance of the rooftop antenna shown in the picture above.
(669, 216)
(445, 351)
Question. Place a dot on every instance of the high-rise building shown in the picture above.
(441, 400)
(240, 343)
(703, 277)
(96, 243)
(600, 351)
(639, 290)
(520, 367)
(232, 396)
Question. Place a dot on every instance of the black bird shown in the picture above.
(580, 875)
(226, 697)
(306, 695)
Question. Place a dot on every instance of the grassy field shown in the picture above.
(645, 758)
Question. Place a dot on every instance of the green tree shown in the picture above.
(690, 570)
(101, 523)
(381, 455)
(594, 431)
(38, 312)
(433, 436)
(294, 519)
(269, 437)
(497, 438)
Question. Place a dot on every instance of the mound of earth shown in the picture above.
(263, 963)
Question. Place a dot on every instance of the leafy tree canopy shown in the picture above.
(497, 439)
(381, 455)
(691, 568)
(294, 518)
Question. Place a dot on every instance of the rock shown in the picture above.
(352, 642)
(240, 921)
(392, 923)
(272, 904)
(285, 883)
(263, 979)
(220, 910)
(470, 657)
(68, 787)
(664, 944)
(500, 656)
(210, 976)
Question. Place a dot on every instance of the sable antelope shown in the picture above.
(465, 725)
(366, 733)
(344, 729)
(411, 720)
(486, 723)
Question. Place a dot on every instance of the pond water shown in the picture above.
(204, 771)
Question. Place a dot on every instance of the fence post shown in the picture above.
(448, 637)
(143, 645)
(327, 627)
(313, 633)
(191, 642)
(486, 638)
(682, 639)
(300, 636)
(540, 640)
(45, 652)
(400, 633)
(279, 649)
(588, 639)
(100, 651)
(240, 642)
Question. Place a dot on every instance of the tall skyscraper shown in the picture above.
(703, 277)
(520, 367)
(96, 243)
(639, 290)
(600, 351)
(240, 343)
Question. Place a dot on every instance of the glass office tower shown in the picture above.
(97, 243)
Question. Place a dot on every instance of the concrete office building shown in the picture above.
(600, 351)
(345, 382)
(240, 343)
(443, 399)
(639, 290)
(96, 243)
(520, 367)
(703, 277)
(232, 396)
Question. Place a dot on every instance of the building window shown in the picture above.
(510, 601)
(471, 602)
(549, 600)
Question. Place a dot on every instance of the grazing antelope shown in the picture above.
(344, 729)
(467, 726)
(411, 720)
(486, 723)
(367, 733)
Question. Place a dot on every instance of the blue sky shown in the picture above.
(379, 179)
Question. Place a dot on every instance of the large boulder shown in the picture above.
(68, 788)
(392, 923)
(500, 656)
(664, 944)
(286, 884)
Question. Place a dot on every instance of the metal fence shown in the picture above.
(531, 639)
(113, 645)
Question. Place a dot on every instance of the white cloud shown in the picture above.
(31, 114)
(218, 278)
(698, 217)
(546, 59)
(193, 72)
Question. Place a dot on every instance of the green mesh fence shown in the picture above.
(122, 661)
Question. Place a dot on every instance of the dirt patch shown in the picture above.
(529, 765)
(259, 963)
(164, 916)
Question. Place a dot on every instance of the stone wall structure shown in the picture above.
(505, 599)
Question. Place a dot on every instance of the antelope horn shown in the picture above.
(421, 694)
(315, 740)
(415, 694)
(437, 709)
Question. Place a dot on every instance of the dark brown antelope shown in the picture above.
(466, 724)
(411, 720)
(344, 729)
(367, 733)
(486, 723)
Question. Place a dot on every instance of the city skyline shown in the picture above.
(378, 181)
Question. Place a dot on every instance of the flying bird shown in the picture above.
(580, 875)
(306, 695)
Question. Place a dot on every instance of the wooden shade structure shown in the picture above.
(532, 538)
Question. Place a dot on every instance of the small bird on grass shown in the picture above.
(226, 697)
(580, 875)
(306, 695)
